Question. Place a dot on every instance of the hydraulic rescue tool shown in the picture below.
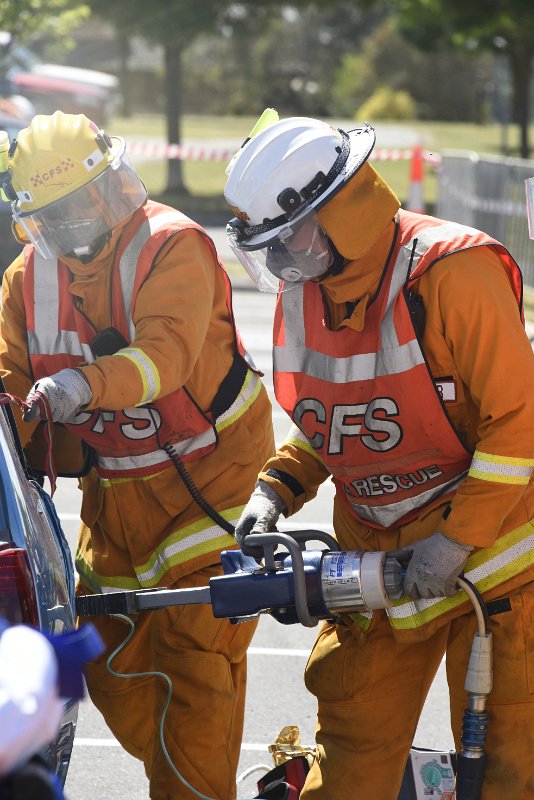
(300, 585)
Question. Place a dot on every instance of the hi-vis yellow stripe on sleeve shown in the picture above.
(501, 469)
(148, 372)
(298, 439)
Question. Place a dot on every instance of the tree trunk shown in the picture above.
(124, 74)
(173, 96)
(521, 63)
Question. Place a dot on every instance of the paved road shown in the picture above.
(276, 695)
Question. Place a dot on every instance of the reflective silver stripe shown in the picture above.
(189, 542)
(165, 557)
(63, 342)
(159, 456)
(387, 516)
(127, 271)
(390, 359)
(47, 339)
(132, 462)
(124, 463)
(45, 296)
(495, 467)
(435, 234)
(481, 575)
(128, 262)
(248, 390)
(298, 439)
(148, 372)
(195, 443)
(501, 469)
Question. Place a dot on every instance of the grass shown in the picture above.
(205, 180)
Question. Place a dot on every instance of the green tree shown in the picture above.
(294, 58)
(175, 24)
(505, 25)
(55, 18)
(172, 24)
(446, 84)
(276, 63)
(388, 103)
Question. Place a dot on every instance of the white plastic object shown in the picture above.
(30, 708)
(479, 676)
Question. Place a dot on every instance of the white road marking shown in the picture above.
(80, 741)
(284, 525)
(277, 651)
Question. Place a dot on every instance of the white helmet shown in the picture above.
(280, 178)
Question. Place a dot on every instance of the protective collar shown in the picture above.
(358, 215)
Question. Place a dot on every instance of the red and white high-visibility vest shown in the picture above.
(129, 442)
(367, 402)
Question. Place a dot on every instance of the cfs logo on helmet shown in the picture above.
(53, 174)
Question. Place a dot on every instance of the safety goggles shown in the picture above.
(300, 252)
(72, 224)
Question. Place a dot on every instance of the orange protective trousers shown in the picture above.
(371, 691)
(205, 659)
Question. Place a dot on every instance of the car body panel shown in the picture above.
(51, 87)
(80, 75)
(28, 520)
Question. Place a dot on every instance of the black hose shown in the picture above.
(480, 601)
(195, 492)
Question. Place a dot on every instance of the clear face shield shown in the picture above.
(74, 224)
(529, 186)
(300, 252)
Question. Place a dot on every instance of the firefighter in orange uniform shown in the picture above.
(118, 314)
(401, 357)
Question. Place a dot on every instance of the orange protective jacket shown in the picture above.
(147, 531)
(351, 393)
(183, 325)
(473, 336)
(127, 442)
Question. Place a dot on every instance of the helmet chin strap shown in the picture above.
(87, 253)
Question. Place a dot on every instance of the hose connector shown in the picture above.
(479, 676)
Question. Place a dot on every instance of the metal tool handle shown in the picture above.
(311, 535)
(267, 540)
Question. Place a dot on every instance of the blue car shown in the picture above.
(36, 569)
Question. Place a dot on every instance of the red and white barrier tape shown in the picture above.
(404, 155)
(155, 150)
(160, 150)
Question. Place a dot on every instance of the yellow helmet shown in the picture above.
(55, 155)
(70, 184)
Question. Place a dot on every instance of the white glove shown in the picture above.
(435, 564)
(66, 392)
(260, 514)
